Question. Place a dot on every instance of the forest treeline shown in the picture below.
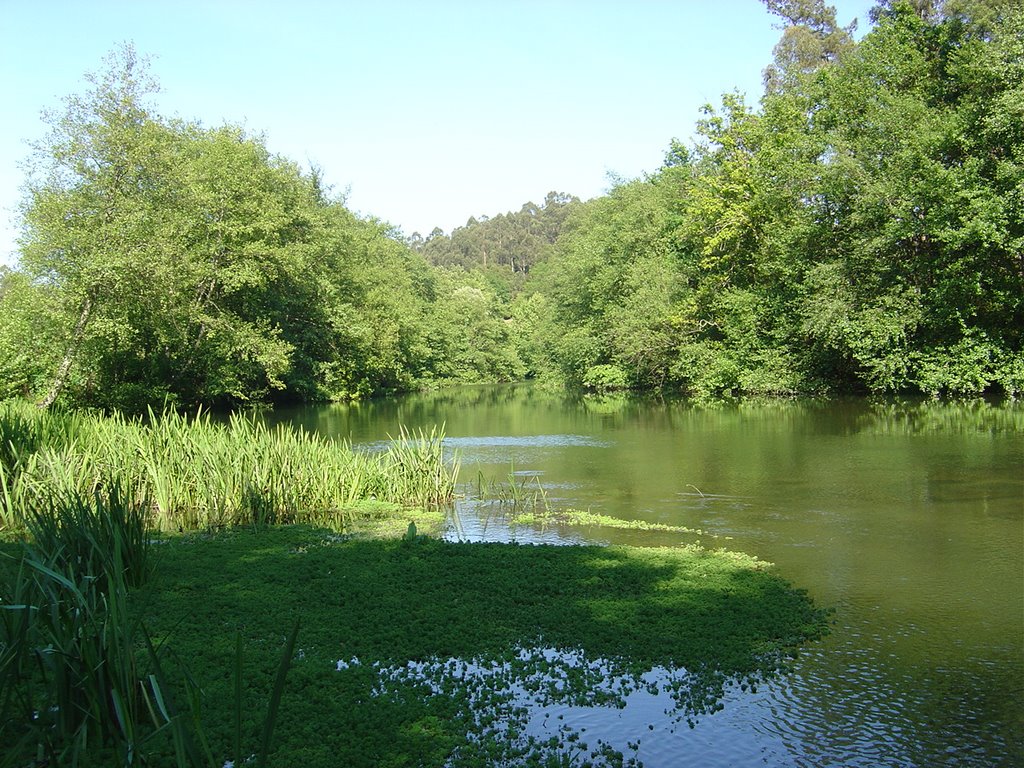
(860, 229)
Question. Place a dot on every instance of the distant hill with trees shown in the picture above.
(517, 240)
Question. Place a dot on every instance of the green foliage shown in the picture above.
(612, 287)
(810, 40)
(405, 616)
(470, 334)
(73, 687)
(28, 334)
(861, 231)
(605, 378)
(105, 534)
(515, 240)
(162, 260)
(194, 473)
(546, 517)
(69, 681)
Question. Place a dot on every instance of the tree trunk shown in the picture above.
(69, 355)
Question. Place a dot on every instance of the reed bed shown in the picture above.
(86, 492)
(70, 686)
(195, 473)
(75, 687)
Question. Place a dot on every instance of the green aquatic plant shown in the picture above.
(393, 629)
(520, 493)
(196, 473)
(545, 515)
(74, 689)
(105, 534)
(522, 500)
(69, 679)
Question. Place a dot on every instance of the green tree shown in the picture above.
(190, 263)
(89, 222)
(921, 187)
(810, 39)
(862, 230)
(28, 335)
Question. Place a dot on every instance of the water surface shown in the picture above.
(906, 517)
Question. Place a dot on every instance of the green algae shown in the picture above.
(385, 520)
(579, 517)
(422, 652)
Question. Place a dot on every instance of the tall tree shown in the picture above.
(190, 263)
(88, 217)
(811, 38)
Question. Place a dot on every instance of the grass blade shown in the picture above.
(275, 697)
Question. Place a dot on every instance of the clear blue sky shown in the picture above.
(428, 112)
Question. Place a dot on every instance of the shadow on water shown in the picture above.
(413, 652)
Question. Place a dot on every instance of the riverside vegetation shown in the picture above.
(118, 645)
(859, 230)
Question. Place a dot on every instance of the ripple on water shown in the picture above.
(837, 707)
(539, 441)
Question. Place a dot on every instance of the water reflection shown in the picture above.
(541, 702)
(906, 516)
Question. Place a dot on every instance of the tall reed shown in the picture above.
(197, 473)
(73, 687)
(86, 491)
(69, 685)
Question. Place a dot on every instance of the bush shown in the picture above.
(605, 378)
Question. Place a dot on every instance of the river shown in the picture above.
(905, 517)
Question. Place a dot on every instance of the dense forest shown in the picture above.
(861, 229)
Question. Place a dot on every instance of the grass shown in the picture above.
(195, 473)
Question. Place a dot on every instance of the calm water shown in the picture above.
(907, 518)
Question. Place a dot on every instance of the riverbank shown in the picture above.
(163, 606)
(193, 473)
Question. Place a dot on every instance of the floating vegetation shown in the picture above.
(415, 650)
(547, 516)
(522, 500)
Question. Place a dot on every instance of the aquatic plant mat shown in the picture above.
(418, 651)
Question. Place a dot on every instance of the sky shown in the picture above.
(422, 112)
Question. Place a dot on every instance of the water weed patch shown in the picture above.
(416, 651)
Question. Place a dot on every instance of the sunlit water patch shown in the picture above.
(502, 443)
(537, 705)
(907, 517)
(476, 520)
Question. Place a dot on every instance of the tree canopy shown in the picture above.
(166, 260)
(860, 229)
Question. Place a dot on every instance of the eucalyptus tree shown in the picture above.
(811, 39)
